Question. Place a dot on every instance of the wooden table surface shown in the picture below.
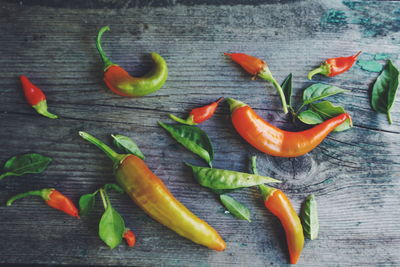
(354, 174)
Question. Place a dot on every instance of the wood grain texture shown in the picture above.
(354, 174)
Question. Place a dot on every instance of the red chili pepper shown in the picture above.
(53, 198)
(278, 203)
(256, 66)
(36, 98)
(198, 115)
(129, 237)
(334, 66)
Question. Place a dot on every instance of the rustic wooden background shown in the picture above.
(354, 174)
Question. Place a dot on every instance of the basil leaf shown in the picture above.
(192, 138)
(27, 163)
(327, 110)
(319, 91)
(127, 145)
(384, 90)
(86, 203)
(287, 89)
(111, 227)
(114, 187)
(224, 179)
(236, 208)
(310, 117)
(309, 218)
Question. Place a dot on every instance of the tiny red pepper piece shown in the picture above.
(334, 66)
(258, 67)
(278, 203)
(35, 97)
(53, 198)
(198, 115)
(129, 237)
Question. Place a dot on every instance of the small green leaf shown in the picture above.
(287, 89)
(192, 138)
(127, 145)
(385, 89)
(319, 91)
(111, 227)
(236, 208)
(327, 110)
(27, 163)
(310, 117)
(309, 218)
(114, 187)
(86, 203)
(225, 179)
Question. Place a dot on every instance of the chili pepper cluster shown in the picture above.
(150, 193)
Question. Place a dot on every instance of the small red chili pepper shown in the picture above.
(53, 198)
(35, 97)
(198, 115)
(129, 237)
(256, 66)
(334, 66)
(278, 203)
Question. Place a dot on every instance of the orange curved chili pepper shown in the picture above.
(278, 203)
(152, 196)
(274, 141)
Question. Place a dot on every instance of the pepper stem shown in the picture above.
(41, 108)
(188, 121)
(267, 75)
(324, 69)
(266, 191)
(253, 165)
(389, 118)
(44, 193)
(234, 104)
(107, 62)
(114, 156)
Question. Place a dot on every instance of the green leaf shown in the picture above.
(192, 138)
(384, 90)
(309, 218)
(111, 227)
(86, 203)
(224, 179)
(236, 208)
(287, 89)
(27, 163)
(310, 117)
(114, 187)
(319, 91)
(327, 110)
(127, 145)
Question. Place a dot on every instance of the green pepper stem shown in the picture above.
(4, 175)
(266, 191)
(234, 104)
(41, 108)
(324, 69)
(44, 193)
(188, 121)
(114, 156)
(107, 62)
(253, 165)
(267, 75)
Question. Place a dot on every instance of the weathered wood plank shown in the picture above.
(354, 174)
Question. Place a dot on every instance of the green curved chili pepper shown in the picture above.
(192, 138)
(224, 179)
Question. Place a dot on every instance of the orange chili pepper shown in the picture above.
(152, 196)
(334, 66)
(278, 203)
(53, 198)
(198, 115)
(274, 141)
(129, 237)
